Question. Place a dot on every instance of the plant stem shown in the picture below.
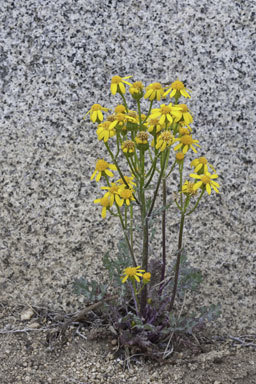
(163, 235)
(124, 101)
(126, 237)
(158, 185)
(144, 223)
(199, 198)
(144, 293)
(177, 266)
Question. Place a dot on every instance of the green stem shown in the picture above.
(172, 168)
(139, 111)
(131, 227)
(124, 101)
(150, 107)
(199, 198)
(163, 234)
(158, 185)
(144, 293)
(126, 237)
(133, 171)
(177, 266)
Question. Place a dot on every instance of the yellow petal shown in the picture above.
(113, 88)
(94, 173)
(124, 279)
(195, 176)
(98, 176)
(184, 93)
(208, 189)
(197, 185)
(100, 115)
(103, 212)
(94, 116)
(122, 87)
(109, 173)
(119, 201)
(112, 166)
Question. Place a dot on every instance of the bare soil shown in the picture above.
(32, 351)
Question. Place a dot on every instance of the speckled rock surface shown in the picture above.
(56, 60)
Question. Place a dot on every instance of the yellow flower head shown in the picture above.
(180, 157)
(154, 125)
(206, 181)
(154, 91)
(128, 147)
(136, 90)
(184, 131)
(177, 89)
(188, 188)
(186, 142)
(164, 140)
(117, 84)
(102, 169)
(96, 114)
(183, 113)
(105, 131)
(106, 202)
(132, 273)
(146, 277)
(120, 108)
(125, 195)
(142, 140)
(164, 112)
(129, 181)
(201, 165)
(112, 192)
(120, 121)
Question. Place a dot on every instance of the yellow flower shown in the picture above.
(112, 192)
(186, 142)
(117, 84)
(120, 108)
(105, 131)
(120, 121)
(132, 273)
(188, 188)
(128, 147)
(124, 195)
(129, 181)
(206, 180)
(183, 113)
(154, 126)
(95, 113)
(102, 169)
(184, 131)
(180, 157)
(177, 89)
(142, 140)
(106, 203)
(154, 91)
(136, 89)
(164, 112)
(146, 277)
(164, 140)
(201, 165)
(183, 126)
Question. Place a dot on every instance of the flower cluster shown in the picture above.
(162, 128)
(144, 147)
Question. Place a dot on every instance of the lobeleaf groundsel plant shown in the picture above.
(144, 149)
